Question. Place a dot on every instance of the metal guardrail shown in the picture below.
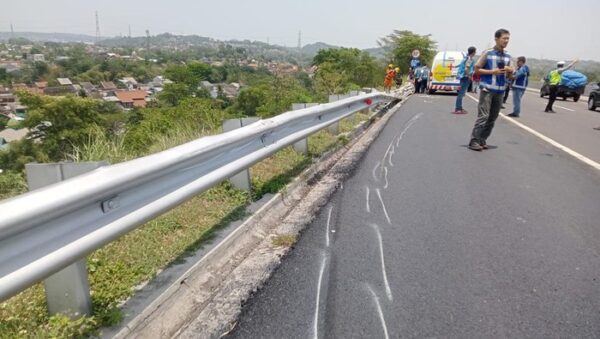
(45, 230)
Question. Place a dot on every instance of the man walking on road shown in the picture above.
(554, 81)
(464, 74)
(494, 68)
(519, 86)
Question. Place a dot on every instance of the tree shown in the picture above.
(65, 123)
(173, 93)
(330, 81)
(399, 45)
(250, 99)
(342, 68)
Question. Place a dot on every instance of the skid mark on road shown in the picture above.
(328, 226)
(385, 175)
(379, 311)
(368, 197)
(383, 206)
(388, 290)
(318, 300)
(375, 170)
(408, 125)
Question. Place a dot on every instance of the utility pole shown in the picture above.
(97, 27)
(129, 31)
(12, 31)
(299, 40)
(148, 39)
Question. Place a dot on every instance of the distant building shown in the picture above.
(131, 99)
(129, 82)
(36, 57)
(10, 135)
(64, 81)
(7, 98)
(107, 86)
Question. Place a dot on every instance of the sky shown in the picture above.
(550, 29)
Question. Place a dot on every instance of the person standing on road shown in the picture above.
(495, 70)
(418, 79)
(398, 77)
(389, 78)
(554, 81)
(464, 74)
(519, 86)
(424, 78)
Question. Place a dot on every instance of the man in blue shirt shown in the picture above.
(519, 86)
(495, 70)
(465, 74)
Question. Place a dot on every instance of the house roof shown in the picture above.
(64, 81)
(138, 98)
(10, 134)
(128, 79)
(88, 86)
(41, 84)
(107, 85)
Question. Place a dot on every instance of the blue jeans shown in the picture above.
(517, 95)
(464, 85)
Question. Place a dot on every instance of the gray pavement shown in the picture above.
(430, 239)
(572, 124)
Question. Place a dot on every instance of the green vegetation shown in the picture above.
(399, 45)
(82, 129)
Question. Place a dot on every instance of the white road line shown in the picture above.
(328, 222)
(391, 155)
(316, 320)
(388, 290)
(379, 311)
(385, 175)
(383, 205)
(551, 141)
(375, 170)
(368, 195)
(568, 109)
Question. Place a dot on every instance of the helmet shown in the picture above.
(560, 64)
(390, 66)
(397, 69)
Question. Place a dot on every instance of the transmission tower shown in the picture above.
(97, 27)
(148, 39)
(12, 31)
(129, 31)
(299, 39)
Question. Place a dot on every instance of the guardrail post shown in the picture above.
(240, 180)
(302, 145)
(67, 291)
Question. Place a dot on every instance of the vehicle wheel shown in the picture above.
(564, 98)
(591, 104)
(541, 94)
(576, 97)
(430, 91)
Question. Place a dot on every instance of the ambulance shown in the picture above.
(443, 72)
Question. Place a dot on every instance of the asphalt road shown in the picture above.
(430, 239)
(572, 124)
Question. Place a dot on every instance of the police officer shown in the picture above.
(554, 80)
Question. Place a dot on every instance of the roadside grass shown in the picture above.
(117, 270)
(284, 240)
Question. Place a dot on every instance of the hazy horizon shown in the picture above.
(536, 31)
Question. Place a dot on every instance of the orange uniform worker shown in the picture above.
(390, 74)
